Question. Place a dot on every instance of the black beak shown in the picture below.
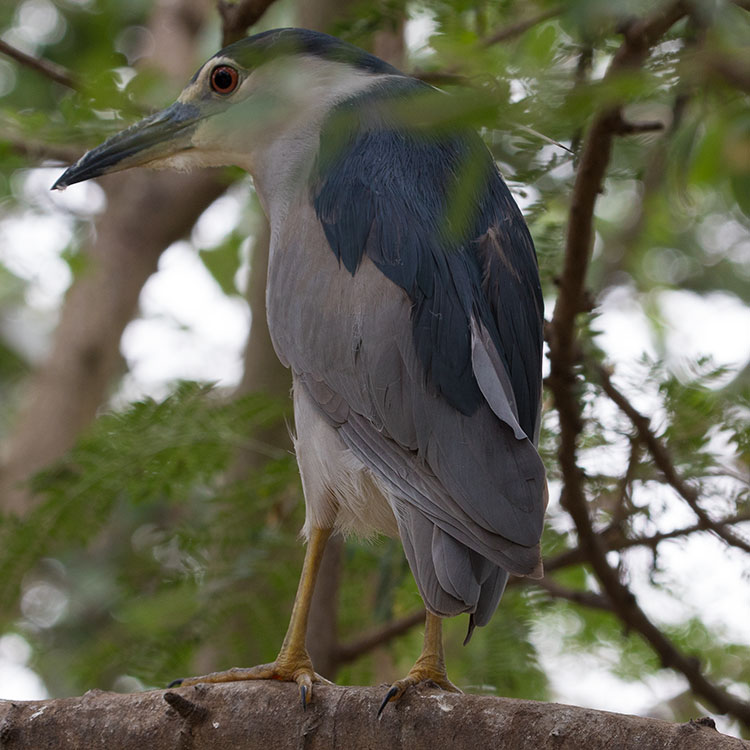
(156, 137)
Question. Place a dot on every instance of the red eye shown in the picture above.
(224, 79)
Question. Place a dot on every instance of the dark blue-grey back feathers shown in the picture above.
(431, 211)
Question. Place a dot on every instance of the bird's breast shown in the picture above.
(317, 310)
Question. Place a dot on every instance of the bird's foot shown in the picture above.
(285, 668)
(417, 675)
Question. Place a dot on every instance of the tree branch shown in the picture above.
(639, 35)
(735, 72)
(267, 715)
(626, 607)
(441, 77)
(348, 652)
(663, 460)
(237, 17)
(584, 598)
(47, 68)
(614, 541)
(37, 150)
(633, 128)
(518, 28)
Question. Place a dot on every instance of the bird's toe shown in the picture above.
(299, 671)
(418, 675)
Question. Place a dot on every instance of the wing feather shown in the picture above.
(424, 351)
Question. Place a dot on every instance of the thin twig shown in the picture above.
(734, 72)
(620, 512)
(518, 28)
(614, 540)
(348, 652)
(41, 150)
(441, 77)
(662, 458)
(639, 37)
(237, 17)
(633, 128)
(583, 72)
(543, 137)
(618, 247)
(584, 598)
(52, 70)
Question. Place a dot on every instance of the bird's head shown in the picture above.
(246, 98)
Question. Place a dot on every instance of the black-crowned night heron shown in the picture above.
(404, 294)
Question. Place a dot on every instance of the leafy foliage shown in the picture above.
(142, 513)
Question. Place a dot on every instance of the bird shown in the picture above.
(404, 294)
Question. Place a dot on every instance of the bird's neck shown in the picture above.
(282, 161)
(281, 172)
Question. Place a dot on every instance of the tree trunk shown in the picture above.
(268, 716)
(322, 627)
(262, 370)
(145, 213)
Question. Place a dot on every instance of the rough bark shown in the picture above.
(267, 715)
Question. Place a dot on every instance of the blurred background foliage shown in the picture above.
(154, 550)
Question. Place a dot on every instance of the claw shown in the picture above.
(305, 682)
(392, 693)
(176, 683)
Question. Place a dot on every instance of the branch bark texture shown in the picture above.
(268, 716)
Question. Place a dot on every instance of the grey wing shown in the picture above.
(466, 490)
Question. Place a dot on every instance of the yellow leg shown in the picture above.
(429, 667)
(293, 662)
